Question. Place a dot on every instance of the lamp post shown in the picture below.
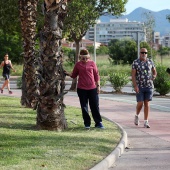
(138, 39)
(138, 43)
(95, 43)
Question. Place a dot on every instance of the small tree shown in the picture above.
(122, 51)
(118, 80)
(163, 51)
(83, 14)
(162, 81)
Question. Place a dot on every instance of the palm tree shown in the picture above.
(50, 109)
(28, 9)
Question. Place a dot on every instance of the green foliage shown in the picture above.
(103, 80)
(11, 44)
(19, 82)
(71, 54)
(9, 13)
(162, 81)
(122, 51)
(24, 147)
(118, 80)
(164, 51)
(102, 50)
(105, 67)
(90, 49)
(83, 13)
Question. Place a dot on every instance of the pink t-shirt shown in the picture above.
(87, 74)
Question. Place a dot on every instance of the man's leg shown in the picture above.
(139, 107)
(147, 97)
(139, 98)
(146, 109)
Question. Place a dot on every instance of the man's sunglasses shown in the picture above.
(144, 52)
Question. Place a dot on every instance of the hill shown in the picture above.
(162, 25)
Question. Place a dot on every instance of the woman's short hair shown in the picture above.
(84, 52)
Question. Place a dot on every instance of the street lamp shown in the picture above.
(95, 43)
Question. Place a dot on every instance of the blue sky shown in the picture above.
(154, 5)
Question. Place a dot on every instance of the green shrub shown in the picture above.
(103, 80)
(118, 80)
(162, 81)
(19, 82)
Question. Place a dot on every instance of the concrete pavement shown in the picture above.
(147, 149)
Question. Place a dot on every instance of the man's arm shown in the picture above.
(154, 73)
(134, 81)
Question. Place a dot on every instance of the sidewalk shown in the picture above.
(147, 149)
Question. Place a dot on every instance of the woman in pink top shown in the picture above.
(88, 88)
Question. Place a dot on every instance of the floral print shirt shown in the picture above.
(143, 72)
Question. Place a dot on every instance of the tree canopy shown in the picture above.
(83, 13)
(122, 51)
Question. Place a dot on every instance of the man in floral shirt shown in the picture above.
(143, 74)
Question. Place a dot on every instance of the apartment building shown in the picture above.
(116, 29)
(165, 41)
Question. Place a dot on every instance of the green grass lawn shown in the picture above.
(22, 147)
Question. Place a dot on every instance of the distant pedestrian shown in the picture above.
(7, 66)
(143, 74)
(88, 88)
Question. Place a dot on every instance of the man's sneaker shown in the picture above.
(146, 125)
(10, 92)
(136, 121)
(87, 127)
(99, 125)
(1, 91)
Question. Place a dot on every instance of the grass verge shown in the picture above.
(22, 147)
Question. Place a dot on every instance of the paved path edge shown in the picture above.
(107, 162)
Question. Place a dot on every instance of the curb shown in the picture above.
(107, 162)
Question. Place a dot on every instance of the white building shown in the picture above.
(116, 29)
(165, 41)
(156, 40)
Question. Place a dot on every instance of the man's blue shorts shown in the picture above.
(144, 94)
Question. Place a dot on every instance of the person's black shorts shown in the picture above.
(6, 76)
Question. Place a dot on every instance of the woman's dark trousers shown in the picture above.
(92, 97)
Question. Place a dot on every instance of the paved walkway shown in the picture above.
(148, 149)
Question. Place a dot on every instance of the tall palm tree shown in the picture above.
(50, 110)
(28, 9)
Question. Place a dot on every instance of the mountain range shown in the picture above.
(162, 24)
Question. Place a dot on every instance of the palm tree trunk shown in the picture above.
(28, 9)
(50, 111)
(74, 81)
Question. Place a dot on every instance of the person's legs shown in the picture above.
(6, 83)
(146, 109)
(147, 97)
(139, 107)
(94, 106)
(84, 106)
(139, 98)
